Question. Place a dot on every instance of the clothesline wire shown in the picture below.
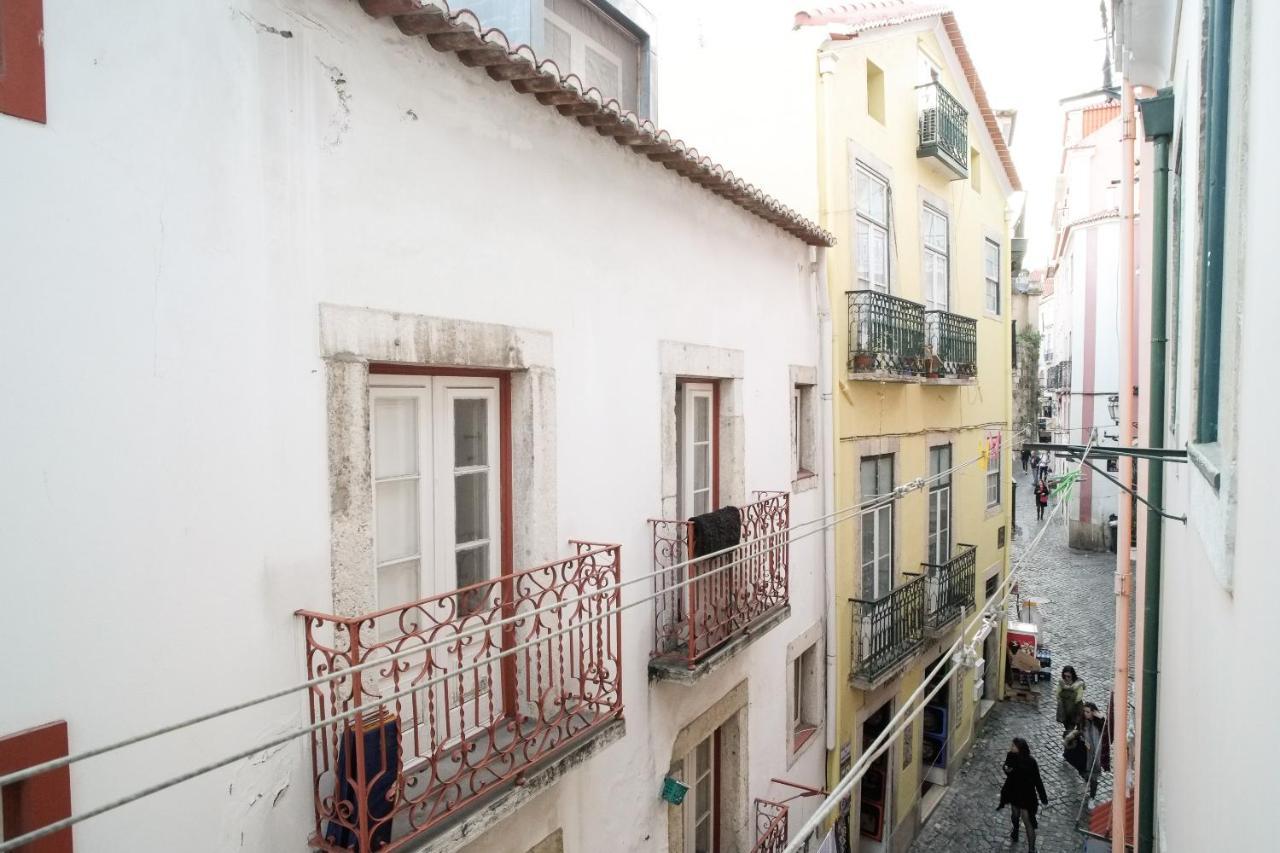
(906, 714)
(830, 521)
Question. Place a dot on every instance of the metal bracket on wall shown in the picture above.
(1076, 452)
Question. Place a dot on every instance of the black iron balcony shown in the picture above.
(948, 588)
(886, 632)
(1059, 376)
(944, 130)
(952, 345)
(886, 335)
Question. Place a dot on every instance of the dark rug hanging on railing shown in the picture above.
(715, 531)
(382, 770)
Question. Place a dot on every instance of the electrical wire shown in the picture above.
(488, 627)
(831, 521)
(903, 718)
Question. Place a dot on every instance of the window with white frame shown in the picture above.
(702, 771)
(806, 696)
(584, 40)
(991, 272)
(872, 202)
(936, 262)
(436, 493)
(994, 453)
(876, 522)
(696, 447)
(940, 504)
(803, 451)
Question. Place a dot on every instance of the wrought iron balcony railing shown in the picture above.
(886, 334)
(888, 630)
(952, 344)
(948, 588)
(472, 708)
(729, 593)
(1059, 376)
(944, 128)
(771, 827)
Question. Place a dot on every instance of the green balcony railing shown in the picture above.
(949, 588)
(888, 630)
(944, 128)
(886, 334)
(952, 342)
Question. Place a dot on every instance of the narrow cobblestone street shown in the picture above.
(1079, 627)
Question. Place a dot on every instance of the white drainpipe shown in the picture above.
(827, 442)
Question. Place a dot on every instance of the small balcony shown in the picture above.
(952, 347)
(771, 827)
(944, 132)
(707, 610)
(886, 337)
(479, 696)
(948, 589)
(1059, 376)
(886, 633)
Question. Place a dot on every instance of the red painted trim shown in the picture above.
(22, 92)
(715, 444)
(509, 687)
(40, 800)
(386, 368)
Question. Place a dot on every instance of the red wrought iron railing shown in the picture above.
(771, 827)
(728, 593)
(474, 703)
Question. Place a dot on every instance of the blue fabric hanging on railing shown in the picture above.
(382, 770)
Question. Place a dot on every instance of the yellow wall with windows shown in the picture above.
(906, 418)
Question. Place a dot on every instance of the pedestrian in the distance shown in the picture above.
(1042, 499)
(1070, 698)
(1026, 458)
(1044, 467)
(1023, 790)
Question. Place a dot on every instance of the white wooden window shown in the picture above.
(697, 432)
(575, 52)
(940, 505)
(872, 194)
(795, 432)
(993, 470)
(436, 475)
(877, 528)
(803, 420)
(936, 261)
(701, 766)
(991, 272)
(806, 697)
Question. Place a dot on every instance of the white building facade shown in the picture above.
(330, 325)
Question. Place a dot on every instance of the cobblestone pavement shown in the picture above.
(1079, 627)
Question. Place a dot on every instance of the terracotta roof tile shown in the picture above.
(462, 34)
(881, 14)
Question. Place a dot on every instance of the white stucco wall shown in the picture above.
(202, 185)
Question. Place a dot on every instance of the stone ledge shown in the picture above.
(486, 814)
(678, 671)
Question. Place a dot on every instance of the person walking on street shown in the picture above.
(1026, 458)
(1044, 466)
(1070, 699)
(1094, 735)
(1042, 498)
(1023, 790)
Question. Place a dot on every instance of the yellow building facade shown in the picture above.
(915, 184)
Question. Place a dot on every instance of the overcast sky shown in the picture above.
(1030, 54)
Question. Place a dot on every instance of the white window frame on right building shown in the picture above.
(991, 274)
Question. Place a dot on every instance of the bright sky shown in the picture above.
(1030, 54)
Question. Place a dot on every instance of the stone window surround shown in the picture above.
(725, 367)
(729, 713)
(810, 639)
(807, 376)
(352, 337)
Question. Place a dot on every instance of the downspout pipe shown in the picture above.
(1157, 120)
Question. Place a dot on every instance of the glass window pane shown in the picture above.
(703, 757)
(395, 436)
(396, 519)
(397, 584)
(701, 466)
(702, 838)
(473, 567)
(884, 474)
(701, 502)
(470, 432)
(864, 251)
(471, 507)
(559, 45)
(868, 538)
(868, 478)
(886, 531)
(702, 418)
(602, 73)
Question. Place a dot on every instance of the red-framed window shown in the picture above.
(40, 800)
(22, 59)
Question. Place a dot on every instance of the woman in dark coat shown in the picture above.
(1023, 790)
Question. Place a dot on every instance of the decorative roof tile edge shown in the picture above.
(863, 17)
(462, 34)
